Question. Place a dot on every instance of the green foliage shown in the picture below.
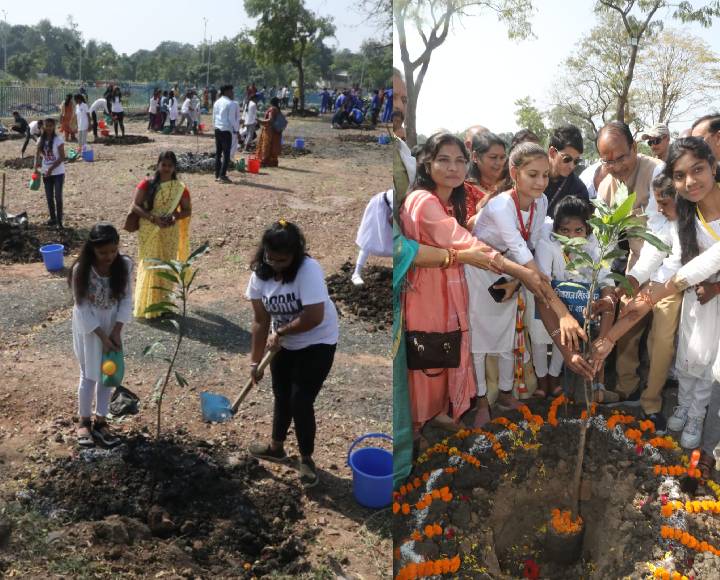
(181, 278)
(527, 116)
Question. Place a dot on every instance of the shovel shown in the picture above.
(3, 213)
(217, 408)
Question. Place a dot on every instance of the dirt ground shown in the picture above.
(83, 515)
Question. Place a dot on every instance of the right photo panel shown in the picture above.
(556, 289)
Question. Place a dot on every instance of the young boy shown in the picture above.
(665, 315)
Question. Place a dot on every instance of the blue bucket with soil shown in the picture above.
(372, 469)
(52, 256)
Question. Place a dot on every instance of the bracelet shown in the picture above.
(453, 254)
(602, 340)
(446, 262)
(554, 333)
(647, 298)
(497, 263)
(254, 365)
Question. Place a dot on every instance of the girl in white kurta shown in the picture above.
(571, 217)
(512, 223)
(100, 281)
(374, 235)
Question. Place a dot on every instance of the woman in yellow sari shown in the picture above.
(164, 207)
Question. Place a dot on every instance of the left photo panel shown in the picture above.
(195, 305)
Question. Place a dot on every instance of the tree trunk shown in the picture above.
(623, 98)
(575, 500)
(301, 81)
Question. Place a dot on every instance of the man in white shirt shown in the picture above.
(99, 105)
(250, 122)
(186, 112)
(33, 132)
(224, 111)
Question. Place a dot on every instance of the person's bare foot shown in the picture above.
(443, 421)
(482, 416)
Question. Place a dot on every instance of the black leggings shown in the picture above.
(223, 143)
(54, 196)
(297, 376)
(118, 120)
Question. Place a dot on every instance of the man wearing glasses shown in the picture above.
(566, 146)
(708, 127)
(659, 140)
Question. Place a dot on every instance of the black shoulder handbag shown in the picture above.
(433, 350)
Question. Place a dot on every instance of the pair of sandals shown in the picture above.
(88, 434)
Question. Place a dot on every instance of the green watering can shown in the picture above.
(34, 181)
(113, 368)
(241, 164)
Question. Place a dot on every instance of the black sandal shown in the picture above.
(101, 432)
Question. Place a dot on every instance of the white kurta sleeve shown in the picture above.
(85, 316)
(649, 261)
(125, 306)
(656, 221)
(702, 267)
(544, 257)
(504, 216)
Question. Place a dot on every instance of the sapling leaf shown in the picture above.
(648, 237)
(181, 381)
(623, 210)
(623, 281)
(175, 323)
(200, 251)
(160, 307)
(576, 264)
(165, 275)
(616, 253)
(601, 206)
(153, 348)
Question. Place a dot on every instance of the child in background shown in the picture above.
(571, 217)
(100, 280)
(83, 120)
(50, 156)
(374, 235)
(118, 113)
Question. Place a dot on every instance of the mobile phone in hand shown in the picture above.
(497, 293)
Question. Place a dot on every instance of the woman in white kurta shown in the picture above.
(101, 283)
(374, 235)
(512, 223)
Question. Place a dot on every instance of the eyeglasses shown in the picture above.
(655, 141)
(568, 158)
(270, 262)
(613, 162)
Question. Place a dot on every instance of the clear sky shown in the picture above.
(485, 73)
(132, 25)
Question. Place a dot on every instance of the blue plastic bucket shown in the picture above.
(384, 139)
(299, 143)
(88, 155)
(52, 255)
(215, 408)
(372, 470)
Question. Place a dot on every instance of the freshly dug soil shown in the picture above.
(289, 151)
(371, 302)
(497, 519)
(355, 138)
(123, 140)
(11, 136)
(20, 162)
(24, 245)
(180, 491)
(191, 163)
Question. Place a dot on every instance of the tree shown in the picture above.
(24, 66)
(527, 116)
(637, 27)
(431, 19)
(678, 73)
(380, 12)
(286, 31)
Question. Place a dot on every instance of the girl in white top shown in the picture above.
(691, 166)
(295, 317)
(571, 216)
(100, 280)
(172, 109)
(374, 236)
(50, 158)
(118, 113)
(511, 223)
(82, 113)
(153, 110)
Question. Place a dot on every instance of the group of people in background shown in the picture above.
(480, 221)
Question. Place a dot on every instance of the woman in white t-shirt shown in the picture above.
(83, 120)
(295, 316)
(50, 156)
(153, 109)
(118, 113)
(172, 105)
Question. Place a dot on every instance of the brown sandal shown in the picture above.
(84, 433)
(706, 465)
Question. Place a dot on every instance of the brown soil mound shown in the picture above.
(124, 140)
(20, 162)
(23, 245)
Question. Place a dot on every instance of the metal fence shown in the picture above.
(34, 102)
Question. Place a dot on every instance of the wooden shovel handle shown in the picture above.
(246, 389)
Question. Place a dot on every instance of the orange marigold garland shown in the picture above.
(687, 540)
(414, 570)
(562, 522)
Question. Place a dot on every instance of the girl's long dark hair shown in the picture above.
(285, 238)
(44, 144)
(79, 278)
(481, 144)
(687, 210)
(153, 185)
(423, 180)
(68, 99)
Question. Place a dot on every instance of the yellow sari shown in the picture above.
(172, 243)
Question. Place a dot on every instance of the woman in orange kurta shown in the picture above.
(68, 120)
(436, 300)
(269, 144)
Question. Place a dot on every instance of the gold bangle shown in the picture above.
(555, 332)
(647, 298)
(453, 256)
(446, 262)
(497, 263)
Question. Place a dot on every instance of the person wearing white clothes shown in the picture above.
(374, 235)
(186, 112)
(153, 109)
(592, 176)
(117, 111)
(98, 106)
(100, 280)
(250, 122)
(691, 166)
(83, 120)
(511, 223)
(50, 155)
(294, 317)
(236, 119)
(172, 106)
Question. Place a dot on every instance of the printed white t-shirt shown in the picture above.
(81, 112)
(284, 303)
(49, 157)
